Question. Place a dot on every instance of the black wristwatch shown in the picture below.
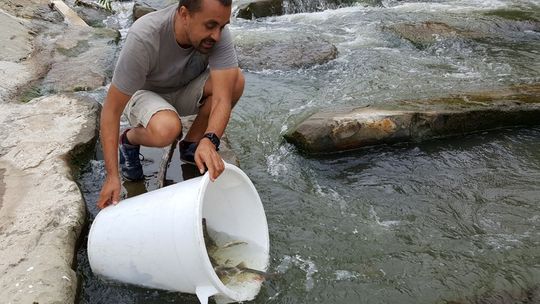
(214, 139)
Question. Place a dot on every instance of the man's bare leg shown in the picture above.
(162, 129)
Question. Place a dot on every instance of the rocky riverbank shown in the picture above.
(46, 126)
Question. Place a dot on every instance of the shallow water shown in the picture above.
(446, 220)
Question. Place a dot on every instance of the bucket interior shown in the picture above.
(236, 232)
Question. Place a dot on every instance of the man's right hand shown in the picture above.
(115, 102)
(110, 192)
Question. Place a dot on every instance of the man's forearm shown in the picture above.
(219, 116)
(109, 130)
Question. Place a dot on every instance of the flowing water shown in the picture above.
(446, 220)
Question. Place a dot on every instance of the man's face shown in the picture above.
(204, 26)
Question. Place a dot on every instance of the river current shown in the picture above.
(452, 220)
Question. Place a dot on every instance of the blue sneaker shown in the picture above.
(187, 151)
(129, 160)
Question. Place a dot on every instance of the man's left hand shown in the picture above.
(207, 156)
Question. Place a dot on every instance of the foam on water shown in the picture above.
(343, 275)
(305, 264)
(453, 7)
(276, 165)
(385, 224)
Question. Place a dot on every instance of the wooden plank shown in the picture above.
(70, 16)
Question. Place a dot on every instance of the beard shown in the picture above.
(206, 45)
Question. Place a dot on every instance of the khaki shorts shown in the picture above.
(186, 101)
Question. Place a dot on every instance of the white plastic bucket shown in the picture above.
(156, 239)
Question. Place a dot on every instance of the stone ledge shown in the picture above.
(41, 208)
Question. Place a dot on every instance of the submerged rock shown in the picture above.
(260, 8)
(429, 32)
(281, 50)
(515, 14)
(353, 128)
(41, 208)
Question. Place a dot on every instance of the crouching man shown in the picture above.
(175, 62)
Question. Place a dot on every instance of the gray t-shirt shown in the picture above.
(151, 59)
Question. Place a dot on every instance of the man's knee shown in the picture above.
(164, 127)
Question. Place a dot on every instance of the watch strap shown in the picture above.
(213, 138)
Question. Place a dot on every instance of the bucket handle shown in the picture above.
(204, 292)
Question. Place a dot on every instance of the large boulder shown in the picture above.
(260, 8)
(141, 8)
(31, 9)
(281, 50)
(92, 13)
(83, 59)
(16, 40)
(353, 128)
(41, 208)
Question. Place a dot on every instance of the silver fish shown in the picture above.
(225, 272)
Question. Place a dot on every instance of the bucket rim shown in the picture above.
(209, 269)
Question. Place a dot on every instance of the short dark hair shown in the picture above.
(195, 5)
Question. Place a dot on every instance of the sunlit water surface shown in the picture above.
(447, 220)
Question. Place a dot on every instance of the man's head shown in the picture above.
(203, 21)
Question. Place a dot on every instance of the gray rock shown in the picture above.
(82, 61)
(31, 9)
(15, 38)
(16, 48)
(429, 32)
(12, 76)
(91, 13)
(353, 128)
(41, 208)
(260, 8)
(140, 10)
(156, 4)
(281, 51)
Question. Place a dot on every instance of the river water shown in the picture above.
(447, 220)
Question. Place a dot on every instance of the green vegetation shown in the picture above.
(31, 93)
(107, 4)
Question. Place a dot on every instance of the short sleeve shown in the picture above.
(223, 56)
(132, 66)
